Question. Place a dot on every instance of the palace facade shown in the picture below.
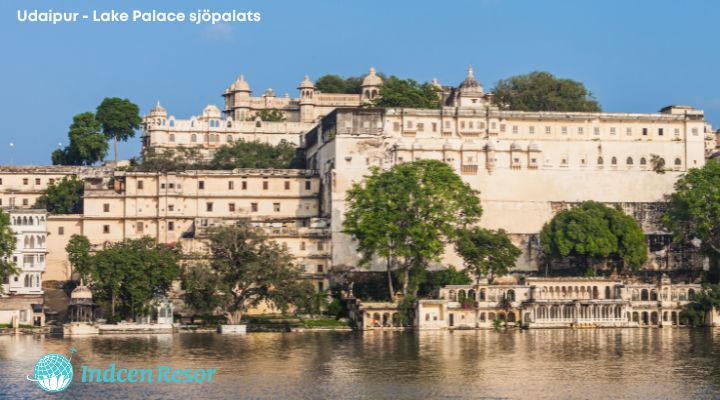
(527, 166)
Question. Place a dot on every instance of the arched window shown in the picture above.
(678, 161)
(643, 161)
(691, 294)
(229, 138)
(629, 161)
(511, 295)
(193, 138)
(600, 161)
(172, 137)
(28, 280)
(229, 124)
(26, 242)
(613, 161)
(172, 123)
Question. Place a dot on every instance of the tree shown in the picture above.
(63, 197)
(593, 232)
(7, 247)
(255, 154)
(541, 91)
(178, 159)
(270, 115)
(336, 84)
(657, 163)
(129, 274)
(407, 93)
(87, 143)
(694, 208)
(694, 313)
(78, 251)
(200, 285)
(407, 214)
(119, 119)
(434, 280)
(249, 269)
(486, 252)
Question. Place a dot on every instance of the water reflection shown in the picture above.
(539, 364)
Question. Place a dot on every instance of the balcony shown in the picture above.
(469, 169)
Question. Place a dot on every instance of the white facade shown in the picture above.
(30, 227)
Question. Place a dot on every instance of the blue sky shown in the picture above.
(635, 56)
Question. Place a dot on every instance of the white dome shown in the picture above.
(516, 146)
(372, 79)
(306, 84)
(240, 85)
(81, 292)
(211, 111)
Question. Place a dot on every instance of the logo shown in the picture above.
(53, 372)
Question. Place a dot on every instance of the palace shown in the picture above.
(527, 166)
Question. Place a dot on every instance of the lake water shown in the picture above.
(537, 364)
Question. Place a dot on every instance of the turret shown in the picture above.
(237, 99)
(371, 86)
(307, 100)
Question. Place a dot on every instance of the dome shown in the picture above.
(470, 84)
(158, 111)
(240, 85)
(516, 146)
(81, 292)
(211, 111)
(306, 84)
(533, 146)
(371, 79)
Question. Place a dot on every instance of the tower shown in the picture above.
(307, 100)
(370, 87)
(237, 99)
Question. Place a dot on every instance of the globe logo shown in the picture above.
(53, 372)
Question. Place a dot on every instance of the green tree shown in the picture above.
(541, 91)
(407, 93)
(178, 159)
(63, 197)
(251, 269)
(129, 274)
(337, 84)
(119, 119)
(87, 143)
(434, 280)
(269, 115)
(78, 251)
(407, 214)
(200, 285)
(255, 154)
(694, 208)
(593, 232)
(694, 313)
(486, 252)
(657, 163)
(7, 247)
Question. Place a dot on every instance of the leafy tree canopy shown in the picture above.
(270, 115)
(407, 93)
(593, 232)
(694, 313)
(7, 247)
(486, 252)
(128, 275)
(541, 91)
(87, 143)
(694, 209)
(245, 269)
(63, 197)
(119, 119)
(407, 214)
(337, 84)
(78, 251)
(244, 154)
(178, 159)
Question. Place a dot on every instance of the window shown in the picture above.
(253, 207)
(502, 127)
(613, 161)
(276, 207)
(320, 246)
(600, 161)
(171, 185)
(266, 184)
(287, 185)
(612, 131)
(209, 206)
(677, 132)
(396, 126)
(140, 184)
(515, 129)
(308, 185)
(434, 126)
(644, 131)
(629, 161)
(420, 127)
(321, 286)
(231, 185)
(597, 131)
(162, 186)
(660, 131)
(201, 185)
(37, 181)
(243, 184)
(106, 207)
(231, 207)
(532, 130)
(25, 181)
(139, 227)
(302, 246)
(171, 225)
(694, 131)
(172, 137)
(106, 228)
(563, 130)
(61, 230)
(581, 131)
(643, 161)
(628, 131)
(193, 138)
(320, 268)
(678, 161)
(25, 202)
(548, 130)
(171, 207)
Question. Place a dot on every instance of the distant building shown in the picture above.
(22, 301)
